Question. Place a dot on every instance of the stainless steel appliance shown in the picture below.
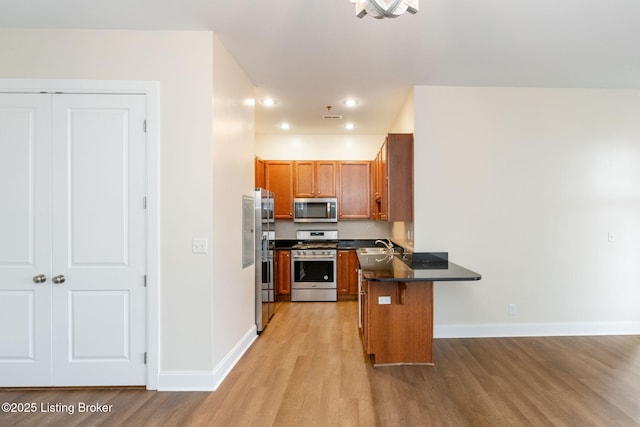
(264, 237)
(315, 210)
(359, 297)
(313, 266)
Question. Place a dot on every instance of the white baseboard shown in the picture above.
(221, 371)
(186, 381)
(487, 330)
(207, 380)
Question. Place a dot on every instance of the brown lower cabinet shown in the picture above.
(282, 273)
(347, 274)
(397, 322)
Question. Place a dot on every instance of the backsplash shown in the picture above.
(286, 229)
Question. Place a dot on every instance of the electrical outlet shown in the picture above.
(512, 310)
(199, 246)
(384, 300)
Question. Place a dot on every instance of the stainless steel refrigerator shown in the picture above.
(264, 241)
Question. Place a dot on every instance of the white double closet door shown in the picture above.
(72, 240)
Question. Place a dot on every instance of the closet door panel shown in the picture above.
(99, 231)
(25, 240)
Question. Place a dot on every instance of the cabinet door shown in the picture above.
(314, 178)
(399, 185)
(303, 179)
(279, 180)
(347, 272)
(259, 173)
(375, 187)
(283, 272)
(382, 183)
(325, 178)
(343, 272)
(354, 199)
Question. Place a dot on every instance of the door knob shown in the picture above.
(58, 279)
(40, 278)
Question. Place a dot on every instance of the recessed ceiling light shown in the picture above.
(268, 102)
(350, 102)
(284, 126)
(349, 126)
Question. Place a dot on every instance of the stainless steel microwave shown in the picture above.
(315, 210)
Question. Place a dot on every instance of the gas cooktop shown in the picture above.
(316, 239)
(315, 245)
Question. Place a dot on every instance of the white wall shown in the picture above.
(524, 186)
(182, 63)
(405, 120)
(233, 168)
(317, 147)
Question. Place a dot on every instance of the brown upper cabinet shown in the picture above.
(279, 179)
(381, 189)
(380, 184)
(354, 197)
(259, 173)
(314, 178)
(393, 180)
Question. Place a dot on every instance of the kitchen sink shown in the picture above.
(375, 251)
(375, 258)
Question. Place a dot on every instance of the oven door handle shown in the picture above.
(315, 257)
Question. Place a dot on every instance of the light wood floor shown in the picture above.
(308, 369)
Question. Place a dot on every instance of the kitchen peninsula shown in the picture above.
(396, 304)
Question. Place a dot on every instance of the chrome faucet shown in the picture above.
(386, 244)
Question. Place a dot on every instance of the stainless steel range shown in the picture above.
(313, 266)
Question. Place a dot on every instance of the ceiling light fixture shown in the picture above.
(349, 126)
(268, 102)
(384, 8)
(350, 102)
(284, 126)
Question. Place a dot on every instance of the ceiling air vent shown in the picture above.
(331, 116)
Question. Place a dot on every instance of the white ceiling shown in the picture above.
(310, 54)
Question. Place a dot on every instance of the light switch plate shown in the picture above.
(384, 300)
(200, 246)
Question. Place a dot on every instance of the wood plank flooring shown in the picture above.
(308, 369)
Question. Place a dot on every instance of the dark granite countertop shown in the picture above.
(392, 268)
(284, 243)
(343, 244)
